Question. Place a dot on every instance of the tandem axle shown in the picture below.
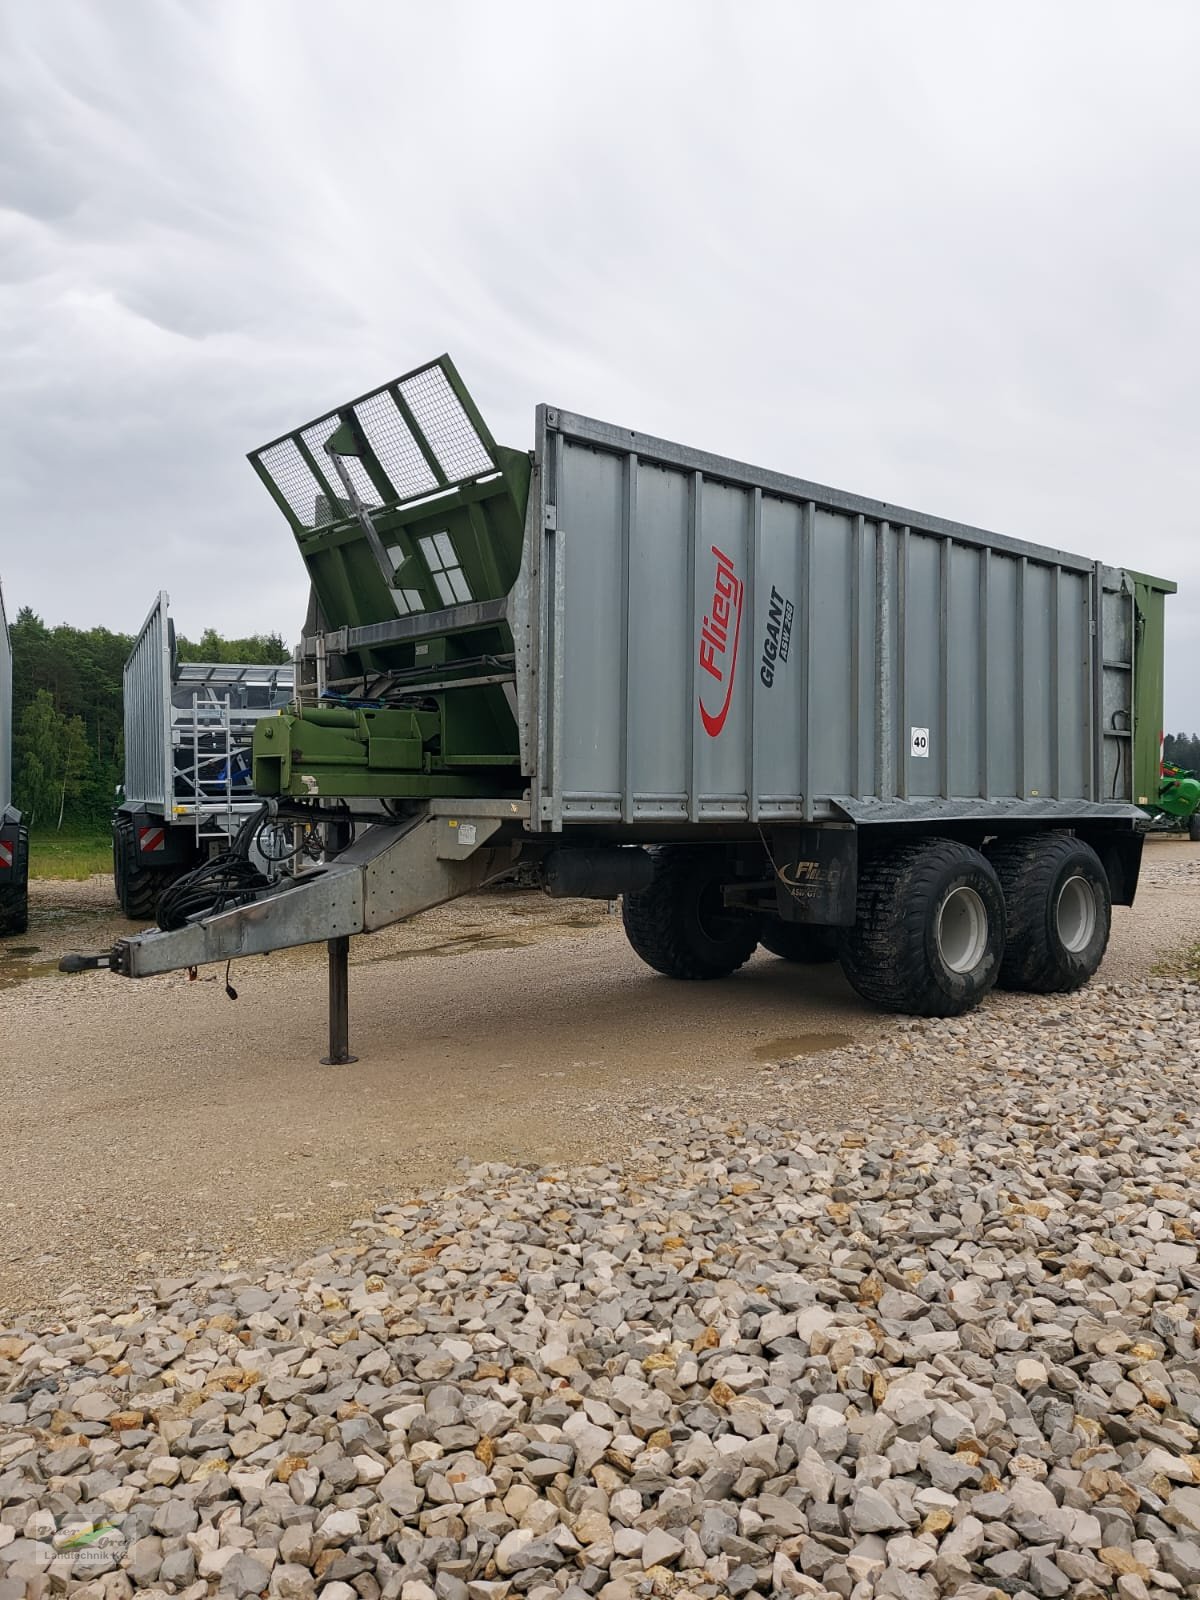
(922, 920)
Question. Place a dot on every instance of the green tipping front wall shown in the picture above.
(410, 520)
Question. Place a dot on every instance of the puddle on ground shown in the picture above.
(17, 967)
(491, 935)
(486, 939)
(448, 947)
(801, 1044)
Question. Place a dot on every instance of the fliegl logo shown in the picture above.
(720, 635)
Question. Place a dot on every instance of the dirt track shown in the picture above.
(148, 1127)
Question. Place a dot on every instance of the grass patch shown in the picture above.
(1183, 963)
(69, 852)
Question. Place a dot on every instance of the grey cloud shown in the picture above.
(944, 255)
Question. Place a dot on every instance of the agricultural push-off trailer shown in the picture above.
(761, 710)
(188, 730)
(14, 836)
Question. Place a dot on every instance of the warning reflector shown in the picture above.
(6, 854)
(151, 839)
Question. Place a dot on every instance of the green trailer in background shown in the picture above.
(14, 836)
(1167, 793)
(761, 711)
(1178, 802)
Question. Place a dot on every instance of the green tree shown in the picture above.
(76, 776)
(256, 649)
(1183, 750)
(39, 755)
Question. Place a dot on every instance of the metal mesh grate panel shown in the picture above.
(290, 474)
(417, 428)
(446, 425)
(315, 437)
(392, 440)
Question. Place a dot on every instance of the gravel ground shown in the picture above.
(503, 1028)
(1170, 861)
(951, 1350)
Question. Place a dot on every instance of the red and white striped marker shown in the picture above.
(6, 854)
(151, 839)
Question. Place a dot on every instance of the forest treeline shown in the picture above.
(68, 748)
(1183, 750)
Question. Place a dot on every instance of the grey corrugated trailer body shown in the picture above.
(14, 837)
(762, 710)
(870, 654)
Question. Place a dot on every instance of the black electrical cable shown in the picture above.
(230, 878)
(1112, 722)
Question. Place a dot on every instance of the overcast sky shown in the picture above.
(945, 255)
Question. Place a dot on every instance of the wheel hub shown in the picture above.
(962, 929)
(1075, 914)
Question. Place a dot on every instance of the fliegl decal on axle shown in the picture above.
(720, 635)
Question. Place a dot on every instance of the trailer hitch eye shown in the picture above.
(76, 962)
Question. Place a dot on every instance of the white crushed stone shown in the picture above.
(948, 1353)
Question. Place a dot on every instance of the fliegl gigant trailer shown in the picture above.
(188, 731)
(14, 836)
(762, 711)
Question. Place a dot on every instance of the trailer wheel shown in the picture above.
(802, 942)
(138, 887)
(14, 895)
(679, 925)
(929, 934)
(1194, 827)
(1059, 910)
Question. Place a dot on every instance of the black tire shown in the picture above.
(806, 944)
(14, 895)
(1059, 910)
(138, 887)
(901, 954)
(118, 865)
(679, 925)
(1194, 827)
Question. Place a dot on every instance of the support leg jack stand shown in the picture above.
(339, 1003)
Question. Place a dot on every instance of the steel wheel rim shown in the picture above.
(962, 929)
(1075, 914)
(712, 917)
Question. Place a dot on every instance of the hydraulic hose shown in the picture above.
(228, 879)
(232, 879)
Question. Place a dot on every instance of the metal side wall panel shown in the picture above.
(6, 712)
(1117, 635)
(659, 615)
(1148, 686)
(781, 691)
(149, 764)
(966, 691)
(720, 643)
(1005, 681)
(589, 733)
